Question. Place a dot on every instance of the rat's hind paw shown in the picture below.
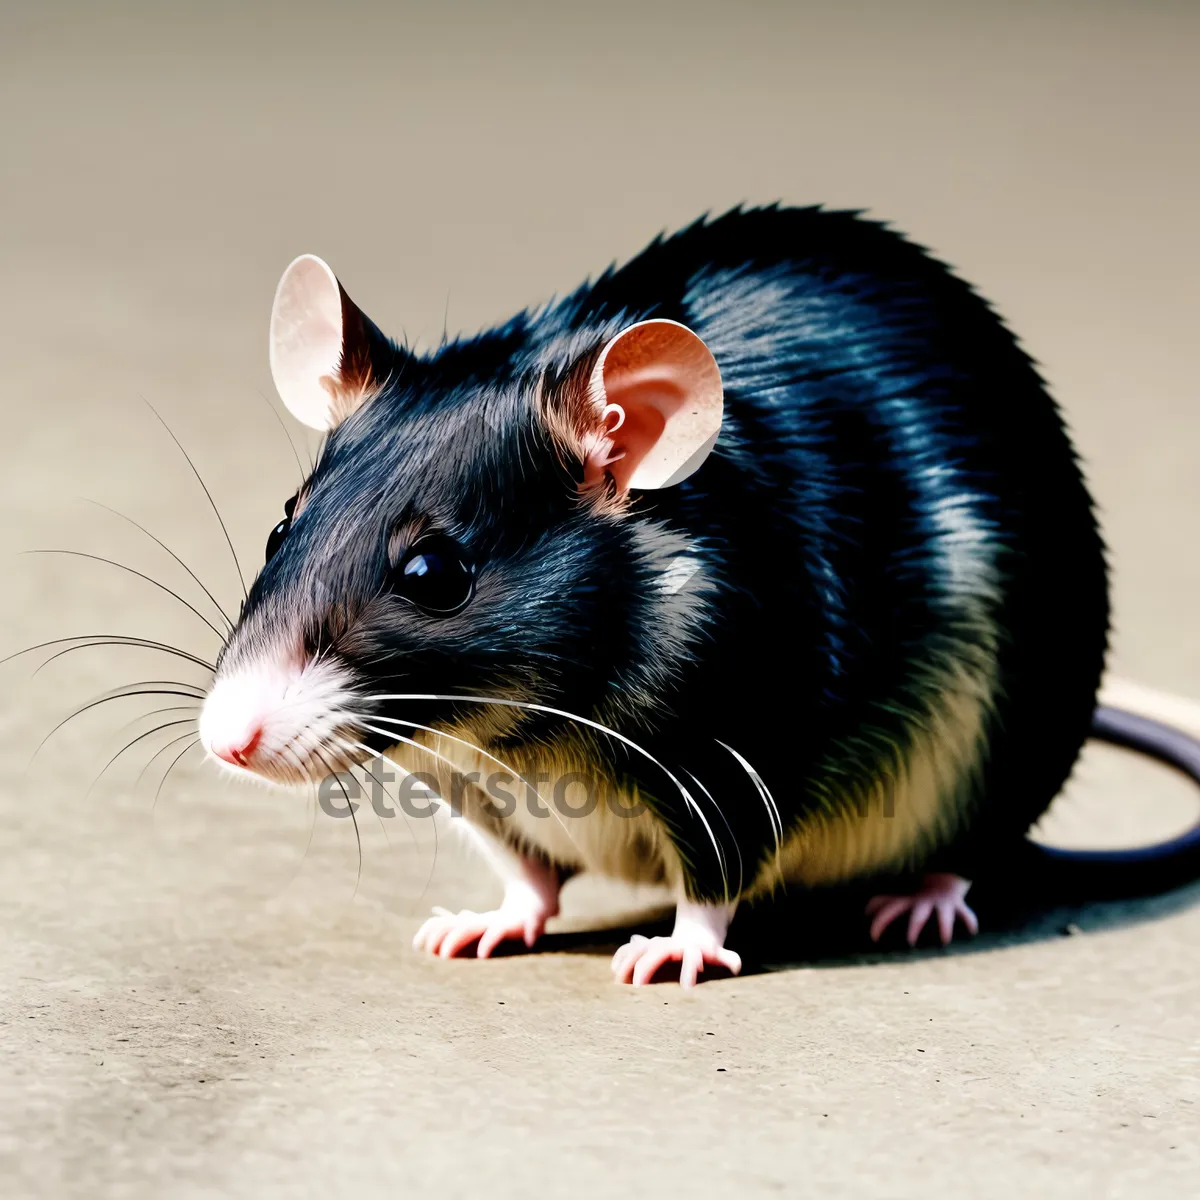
(640, 959)
(448, 934)
(943, 894)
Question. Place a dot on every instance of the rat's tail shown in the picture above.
(1165, 728)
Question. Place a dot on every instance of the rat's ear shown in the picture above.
(656, 389)
(326, 356)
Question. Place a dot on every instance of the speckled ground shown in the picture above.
(196, 996)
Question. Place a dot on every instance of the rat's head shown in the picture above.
(468, 530)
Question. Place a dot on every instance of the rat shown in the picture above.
(771, 543)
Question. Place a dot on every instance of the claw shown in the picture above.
(696, 943)
(942, 894)
(530, 900)
(448, 935)
(638, 962)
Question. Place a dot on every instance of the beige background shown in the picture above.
(195, 1000)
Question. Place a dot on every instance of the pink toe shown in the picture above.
(651, 963)
(894, 906)
(945, 920)
(626, 959)
(940, 893)
(459, 940)
(490, 940)
(634, 947)
(690, 967)
(920, 914)
(644, 968)
(623, 960)
(730, 961)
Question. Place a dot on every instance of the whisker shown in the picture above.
(312, 829)
(765, 795)
(110, 639)
(162, 587)
(195, 691)
(155, 712)
(120, 694)
(403, 815)
(308, 746)
(368, 771)
(688, 799)
(440, 799)
(729, 828)
(286, 433)
(454, 766)
(129, 746)
(174, 763)
(160, 542)
(302, 761)
(94, 645)
(450, 737)
(207, 493)
(158, 754)
(350, 809)
(400, 807)
(350, 744)
(433, 864)
(470, 746)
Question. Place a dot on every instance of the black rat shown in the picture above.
(772, 539)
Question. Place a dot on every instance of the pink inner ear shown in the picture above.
(306, 339)
(645, 408)
(627, 436)
(664, 382)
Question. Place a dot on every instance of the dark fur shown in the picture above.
(880, 389)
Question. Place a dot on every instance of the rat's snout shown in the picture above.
(231, 724)
(236, 715)
(237, 751)
(281, 723)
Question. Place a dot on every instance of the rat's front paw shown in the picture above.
(449, 934)
(640, 959)
(697, 941)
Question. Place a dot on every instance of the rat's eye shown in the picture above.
(435, 575)
(281, 531)
(275, 540)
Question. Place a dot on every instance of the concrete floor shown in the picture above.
(195, 997)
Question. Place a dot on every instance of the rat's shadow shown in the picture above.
(829, 928)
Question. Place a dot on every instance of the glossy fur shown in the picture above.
(884, 593)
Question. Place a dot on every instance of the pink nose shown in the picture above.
(239, 753)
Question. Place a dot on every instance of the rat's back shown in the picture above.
(914, 605)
